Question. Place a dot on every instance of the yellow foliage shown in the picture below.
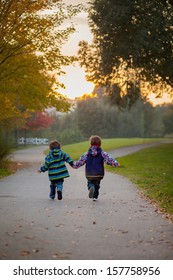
(89, 95)
(31, 36)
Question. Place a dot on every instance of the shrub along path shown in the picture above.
(120, 225)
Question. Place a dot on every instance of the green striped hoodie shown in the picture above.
(55, 164)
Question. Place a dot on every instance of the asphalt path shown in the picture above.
(121, 225)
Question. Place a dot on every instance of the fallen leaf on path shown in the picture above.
(123, 231)
(133, 241)
(45, 241)
(47, 209)
(16, 231)
(29, 237)
(35, 250)
(59, 225)
(110, 228)
(9, 234)
(55, 255)
(24, 253)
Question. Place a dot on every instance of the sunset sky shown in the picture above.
(74, 80)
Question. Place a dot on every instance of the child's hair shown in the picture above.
(95, 140)
(54, 144)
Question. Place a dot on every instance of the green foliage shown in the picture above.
(4, 170)
(4, 148)
(89, 116)
(97, 116)
(70, 135)
(168, 120)
(152, 171)
(132, 44)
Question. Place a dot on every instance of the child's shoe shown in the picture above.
(91, 192)
(95, 199)
(59, 195)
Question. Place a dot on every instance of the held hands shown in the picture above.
(39, 171)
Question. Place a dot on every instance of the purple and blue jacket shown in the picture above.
(94, 160)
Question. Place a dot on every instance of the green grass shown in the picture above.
(76, 150)
(7, 168)
(151, 170)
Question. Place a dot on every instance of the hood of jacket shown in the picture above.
(55, 152)
(94, 150)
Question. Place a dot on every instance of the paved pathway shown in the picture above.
(121, 225)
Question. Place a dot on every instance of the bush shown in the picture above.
(4, 149)
(70, 136)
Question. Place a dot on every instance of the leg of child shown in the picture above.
(59, 186)
(52, 190)
(91, 188)
(97, 187)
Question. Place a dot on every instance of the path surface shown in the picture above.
(120, 225)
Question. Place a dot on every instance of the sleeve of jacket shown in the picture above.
(80, 161)
(68, 159)
(108, 159)
(45, 166)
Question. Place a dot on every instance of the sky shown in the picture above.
(74, 79)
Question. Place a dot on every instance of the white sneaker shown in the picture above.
(95, 199)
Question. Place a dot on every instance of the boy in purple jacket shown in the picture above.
(94, 160)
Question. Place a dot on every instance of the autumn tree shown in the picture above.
(39, 120)
(134, 37)
(31, 37)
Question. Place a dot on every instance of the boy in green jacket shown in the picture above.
(57, 170)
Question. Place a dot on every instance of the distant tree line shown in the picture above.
(96, 115)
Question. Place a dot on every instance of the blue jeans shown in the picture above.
(57, 185)
(96, 185)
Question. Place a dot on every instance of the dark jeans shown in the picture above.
(57, 184)
(96, 185)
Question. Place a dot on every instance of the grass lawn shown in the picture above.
(76, 150)
(151, 170)
(7, 168)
